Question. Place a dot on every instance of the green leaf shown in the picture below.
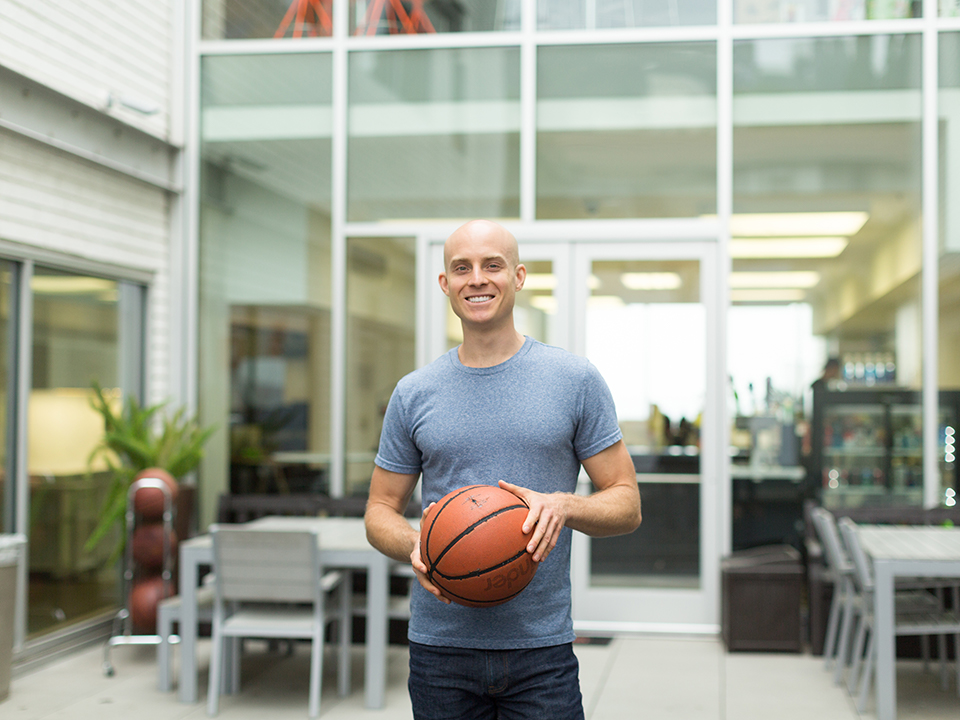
(136, 438)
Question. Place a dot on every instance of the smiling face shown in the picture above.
(482, 275)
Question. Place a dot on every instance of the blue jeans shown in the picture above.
(462, 684)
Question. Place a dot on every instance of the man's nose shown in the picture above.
(477, 277)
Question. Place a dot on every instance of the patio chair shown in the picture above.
(848, 601)
(917, 612)
(268, 584)
(169, 611)
(844, 604)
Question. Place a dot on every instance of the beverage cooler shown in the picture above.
(867, 446)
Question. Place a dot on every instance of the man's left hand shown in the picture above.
(546, 518)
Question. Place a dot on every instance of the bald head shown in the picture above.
(482, 231)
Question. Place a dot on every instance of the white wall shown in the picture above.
(88, 49)
(51, 198)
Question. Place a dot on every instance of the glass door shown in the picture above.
(643, 314)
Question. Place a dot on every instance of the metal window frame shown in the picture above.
(529, 39)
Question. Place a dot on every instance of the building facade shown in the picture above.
(91, 280)
(712, 199)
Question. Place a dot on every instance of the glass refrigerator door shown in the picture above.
(854, 454)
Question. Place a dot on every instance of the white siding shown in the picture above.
(53, 201)
(89, 49)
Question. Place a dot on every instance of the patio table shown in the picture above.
(902, 551)
(343, 544)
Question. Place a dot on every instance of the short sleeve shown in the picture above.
(397, 452)
(597, 427)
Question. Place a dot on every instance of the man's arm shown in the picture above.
(387, 528)
(614, 509)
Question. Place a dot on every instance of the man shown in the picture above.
(508, 409)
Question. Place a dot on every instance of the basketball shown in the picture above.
(144, 597)
(148, 502)
(147, 547)
(473, 545)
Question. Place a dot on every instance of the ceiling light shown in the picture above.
(790, 247)
(767, 295)
(651, 280)
(789, 279)
(795, 224)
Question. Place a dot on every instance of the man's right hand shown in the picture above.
(420, 568)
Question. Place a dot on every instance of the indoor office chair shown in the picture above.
(917, 612)
(268, 584)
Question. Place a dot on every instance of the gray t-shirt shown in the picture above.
(529, 421)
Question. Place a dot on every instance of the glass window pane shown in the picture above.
(626, 131)
(392, 17)
(787, 11)
(659, 389)
(594, 14)
(75, 341)
(240, 19)
(381, 342)
(949, 290)
(826, 242)
(434, 134)
(7, 328)
(535, 312)
(265, 271)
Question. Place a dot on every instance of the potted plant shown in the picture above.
(135, 439)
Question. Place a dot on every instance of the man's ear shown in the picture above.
(443, 284)
(521, 276)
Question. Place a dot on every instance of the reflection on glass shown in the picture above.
(826, 238)
(381, 347)
(434, 134)
(278, 397)
(75, 331)
(626, 131)
(393, 17)
(646, 333)
(6, 382)
(535, 313)
(787, 11)
(265, 270)
(949, 292)
(602, 14)
(241, 19)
